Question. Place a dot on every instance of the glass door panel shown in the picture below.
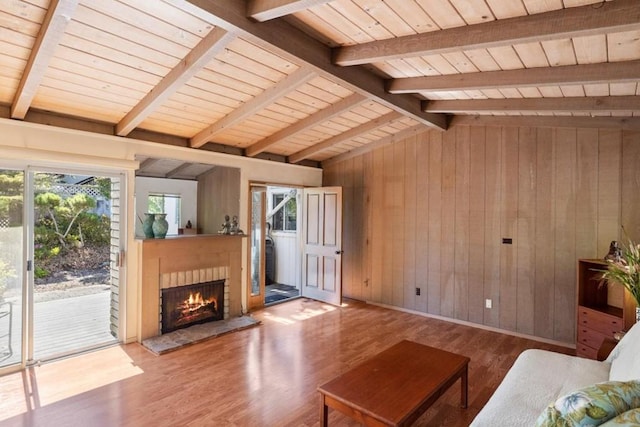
(72, 290)
(11, 266)
(256, 280)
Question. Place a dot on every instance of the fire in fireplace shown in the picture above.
(184, 306)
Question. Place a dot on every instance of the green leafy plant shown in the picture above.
(626, 270)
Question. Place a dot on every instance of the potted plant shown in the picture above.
(625, 270)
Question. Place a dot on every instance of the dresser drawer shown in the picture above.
(586, 352)
(590, 337)
(601, 322)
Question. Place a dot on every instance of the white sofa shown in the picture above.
(538, 378)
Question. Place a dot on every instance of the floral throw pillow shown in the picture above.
(592, 405)
(626, 419)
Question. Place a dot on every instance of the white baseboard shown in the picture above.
(476, 325)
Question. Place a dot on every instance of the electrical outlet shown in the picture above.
(417, 291)
(488, 303)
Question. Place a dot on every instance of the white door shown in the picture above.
(322, 240)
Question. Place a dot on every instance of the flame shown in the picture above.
(196, 301)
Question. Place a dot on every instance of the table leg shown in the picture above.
(464, 385)
(324, 412)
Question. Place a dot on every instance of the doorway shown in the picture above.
(275, 244)
(68, 300)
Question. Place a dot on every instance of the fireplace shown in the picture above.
(184, 306)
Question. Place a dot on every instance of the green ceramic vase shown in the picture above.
(160, 226)
(147, 225)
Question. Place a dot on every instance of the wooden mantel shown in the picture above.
(179, 254)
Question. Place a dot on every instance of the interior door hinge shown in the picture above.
(120, 258)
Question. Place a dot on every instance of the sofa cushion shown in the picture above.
(536, 378)
(592, 405)
(629, 418)
(625, 363)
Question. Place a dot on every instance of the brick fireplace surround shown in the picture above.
(187, 260)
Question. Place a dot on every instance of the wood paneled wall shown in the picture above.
(218, 195)
(430, 212)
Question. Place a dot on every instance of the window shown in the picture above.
(285, 218)
(168, 204)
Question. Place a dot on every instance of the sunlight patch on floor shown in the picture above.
(304, 314)
(52, 382)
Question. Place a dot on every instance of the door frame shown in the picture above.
(255, 302)
(252, 301)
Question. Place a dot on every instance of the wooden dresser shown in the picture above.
(601, 311)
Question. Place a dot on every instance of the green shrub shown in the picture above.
(40, 273)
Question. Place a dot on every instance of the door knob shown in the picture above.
(339, 252)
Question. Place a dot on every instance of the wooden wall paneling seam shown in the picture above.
(377, 225)
(422, 220)
(448, 215)
(508, 228)
(358, 226)
(462, 224)
(367, 211)
(396, 221)
(630, 217)
(387, 231)
(565, 237)
(492, 226)
(526, 229)
(435, 220)
(609, 177)
(409, 229)
(349, 259)
(477, 136)
(586, 193)
(544, 293)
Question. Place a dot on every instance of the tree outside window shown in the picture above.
(167, 204)
(285, 219)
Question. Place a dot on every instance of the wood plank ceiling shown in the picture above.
(301, 80)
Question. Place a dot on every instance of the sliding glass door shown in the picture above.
(12, 256)
(61, 248)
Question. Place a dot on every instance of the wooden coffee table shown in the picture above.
(396, 386)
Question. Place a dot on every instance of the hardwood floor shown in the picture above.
(262, 376)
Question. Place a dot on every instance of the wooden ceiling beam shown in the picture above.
(264, 10)
(177, 170)
(147, 163)
(623, 123)
(53, 27)
(307, 123)
(192, 63)
(269, 96)
(607, 72)
(611, 16)
(345, 136)
(389, 139)
(569, 105)
(294, 45)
